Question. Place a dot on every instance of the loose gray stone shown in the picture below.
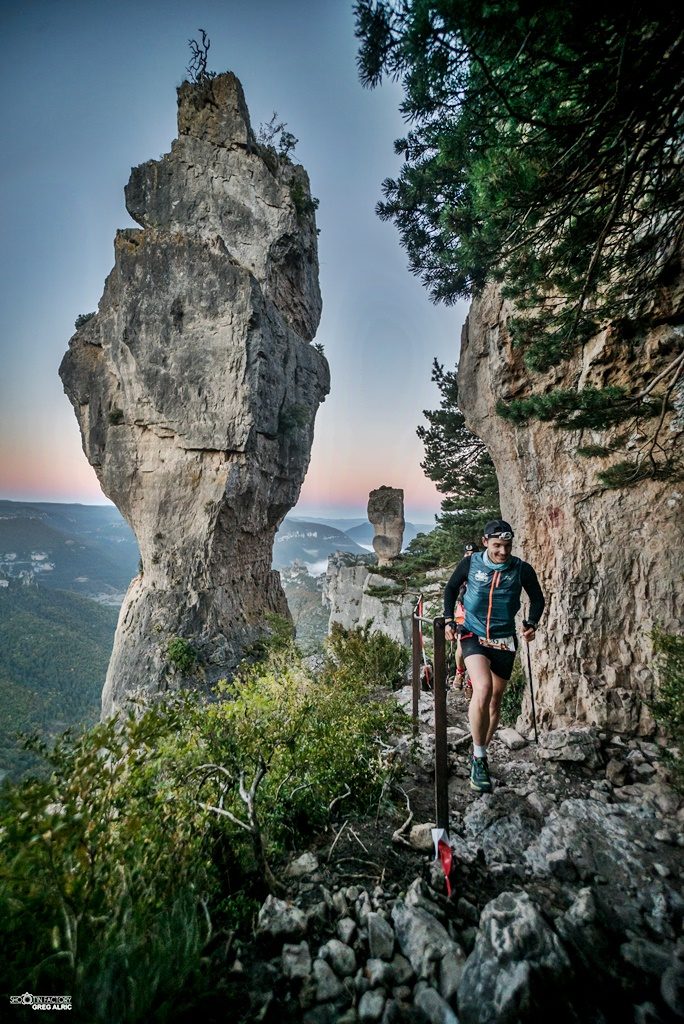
(340, 903)
(672, 987)
(326, 1013)
(511, 738)
(435, 1008)
(340, 957)
(580, 746)
(450, 973)
(517, 961)
(280, 920)
(422, 939)
(302, 866)
(647, 956)
(378, 972)
(346, 929)
(328, 986)
(402, 972)
(371, 1005)
(418, 895)
(296, 960)
(380, 937)
(420, 837)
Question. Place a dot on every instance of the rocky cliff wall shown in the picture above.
(196, 389)
(609, 561)
(356, 595)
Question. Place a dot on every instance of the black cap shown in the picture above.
(496, 527)
(469, 547)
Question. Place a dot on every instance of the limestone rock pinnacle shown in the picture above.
(386, 514)
(196, 390)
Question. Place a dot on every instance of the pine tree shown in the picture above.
(545, 153)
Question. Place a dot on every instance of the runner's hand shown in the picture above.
(450, 631)
(529, 634)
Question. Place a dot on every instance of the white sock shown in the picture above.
(479, 751)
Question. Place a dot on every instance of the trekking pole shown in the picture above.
(534, 714)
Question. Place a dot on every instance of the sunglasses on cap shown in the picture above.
(504, 535)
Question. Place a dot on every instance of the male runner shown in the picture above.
(495, 580)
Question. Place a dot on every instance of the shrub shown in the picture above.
(668, 706)
(511, 704)
(116, 416)
(364, 656)
(104, 871)
(292, 417)
(83, 318)
(156, 831)
(181, 653)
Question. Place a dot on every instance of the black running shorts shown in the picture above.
(501, 661)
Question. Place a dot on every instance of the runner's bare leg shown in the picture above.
(480, 674)
(498, 687)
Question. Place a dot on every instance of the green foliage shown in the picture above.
(511, 703)
(304, 204)
(182, 654)
(630, 472)
(319, 347)
(461, 467)
(83, 318)
(593, 408)
(276, 129)
(116, 416)
(292, 417)
(668, 707)
(596, 451)
(544, 153)
(364, 655)
(52, 669)
(103, 870)
(154, 832)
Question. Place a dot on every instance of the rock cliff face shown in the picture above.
(608, 560)
(196, 388)
(356, 595)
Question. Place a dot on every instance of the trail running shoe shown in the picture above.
(479, 775)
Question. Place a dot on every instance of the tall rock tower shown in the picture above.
(196, 388)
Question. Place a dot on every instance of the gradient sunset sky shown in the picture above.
(89, 91)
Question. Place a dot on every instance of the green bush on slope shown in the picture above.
(668, 706)
(153, 834)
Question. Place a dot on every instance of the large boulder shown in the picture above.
(517, 967)
(386, 514)
(196, 389)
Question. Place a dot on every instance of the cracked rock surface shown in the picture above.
(196, 388)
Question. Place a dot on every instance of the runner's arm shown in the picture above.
(528, 578)
(458, 578)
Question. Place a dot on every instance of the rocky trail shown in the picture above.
(566, 903)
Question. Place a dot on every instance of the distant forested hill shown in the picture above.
(307, 542)
(89, 549)
(54, 652)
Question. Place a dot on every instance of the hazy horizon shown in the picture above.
(68, 152)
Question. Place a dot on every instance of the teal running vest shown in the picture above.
(492, 597)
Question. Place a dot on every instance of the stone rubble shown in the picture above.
(567, 904)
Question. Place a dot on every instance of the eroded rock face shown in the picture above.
(356, 596)
(604, 557)
(196, 389)
(386, 513)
